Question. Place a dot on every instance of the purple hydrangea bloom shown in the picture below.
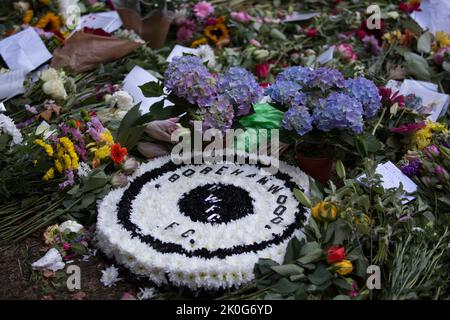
(326, 78)
(303, 76)
(298, 118)
(241, 89)
(188, 78)
(412, 168)
(220, 115)
(339, 111)
(366, 92)
(286, 93)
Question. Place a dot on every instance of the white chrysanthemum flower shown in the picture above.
(146, 293)
(122, 100)
(55, 89)
(83, 169)
(110, 276)
(7, 126)
(206, 53)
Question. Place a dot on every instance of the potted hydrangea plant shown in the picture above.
(320, 106)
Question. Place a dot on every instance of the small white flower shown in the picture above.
(206, 53)
(122, 100)
(70, 225)
(83, 169)
(146, 293)
(49, 74)
(417, 229)
(110, 276)
(7, 126)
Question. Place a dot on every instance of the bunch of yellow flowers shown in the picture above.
(422, 137)
(65, 157)
(101, 149)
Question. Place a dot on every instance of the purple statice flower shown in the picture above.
(31, 109)
(188, 78)
(371, 44)
(241, 88)
(326, 78)
(366, 92)
(95, 128)
(298, 118)
(339, 111)
(411, 169)
(70, 180)
(303, 76)
(25, 123)
(286, 93)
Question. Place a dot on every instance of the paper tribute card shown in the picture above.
(24, 50)
(392, 176)
(108, 21)
(137, 77)
(178, 51)
(434, 103)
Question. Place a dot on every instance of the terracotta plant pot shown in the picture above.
(153, 28)
(318, 168)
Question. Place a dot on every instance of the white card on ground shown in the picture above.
(297, 16)
(24, 50)
(326, 56)
(11, 84)
(391, 177)
(434, 103)
(137, 77)
(108, 21)
(178, 51)
(434, 15)
(427, 85)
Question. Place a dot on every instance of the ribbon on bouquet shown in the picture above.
(257, 126)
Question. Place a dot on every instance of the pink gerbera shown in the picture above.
(203, 9)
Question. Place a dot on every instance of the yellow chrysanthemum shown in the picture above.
(422, 137)
(50, 174)
(102, 152)
(27, 17)
(48, 148)
(443, 38)
(59, 166)
(49, 21)
(106, 136)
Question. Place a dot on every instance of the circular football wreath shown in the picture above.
(201, 226)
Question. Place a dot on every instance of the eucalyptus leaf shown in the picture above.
(287, 270)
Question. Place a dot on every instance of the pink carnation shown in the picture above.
(241, 16)
(203, 9)
(346, 52)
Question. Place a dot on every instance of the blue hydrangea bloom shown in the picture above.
(303, 76)
(241, 88)
(366, 92)
(188, 78)
(298, 118)
(339, 111)
(286, 93)
(326, 78)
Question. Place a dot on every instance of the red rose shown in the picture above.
(335, 254)
(262, 70)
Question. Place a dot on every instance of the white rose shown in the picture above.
(55, 89)
(49, 74)
(71, 225)
(393, 14)
(123, 100)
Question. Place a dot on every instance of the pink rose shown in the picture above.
(346, 52)
(203, 9)
(241, 16)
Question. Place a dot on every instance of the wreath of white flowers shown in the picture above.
(142, 227)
